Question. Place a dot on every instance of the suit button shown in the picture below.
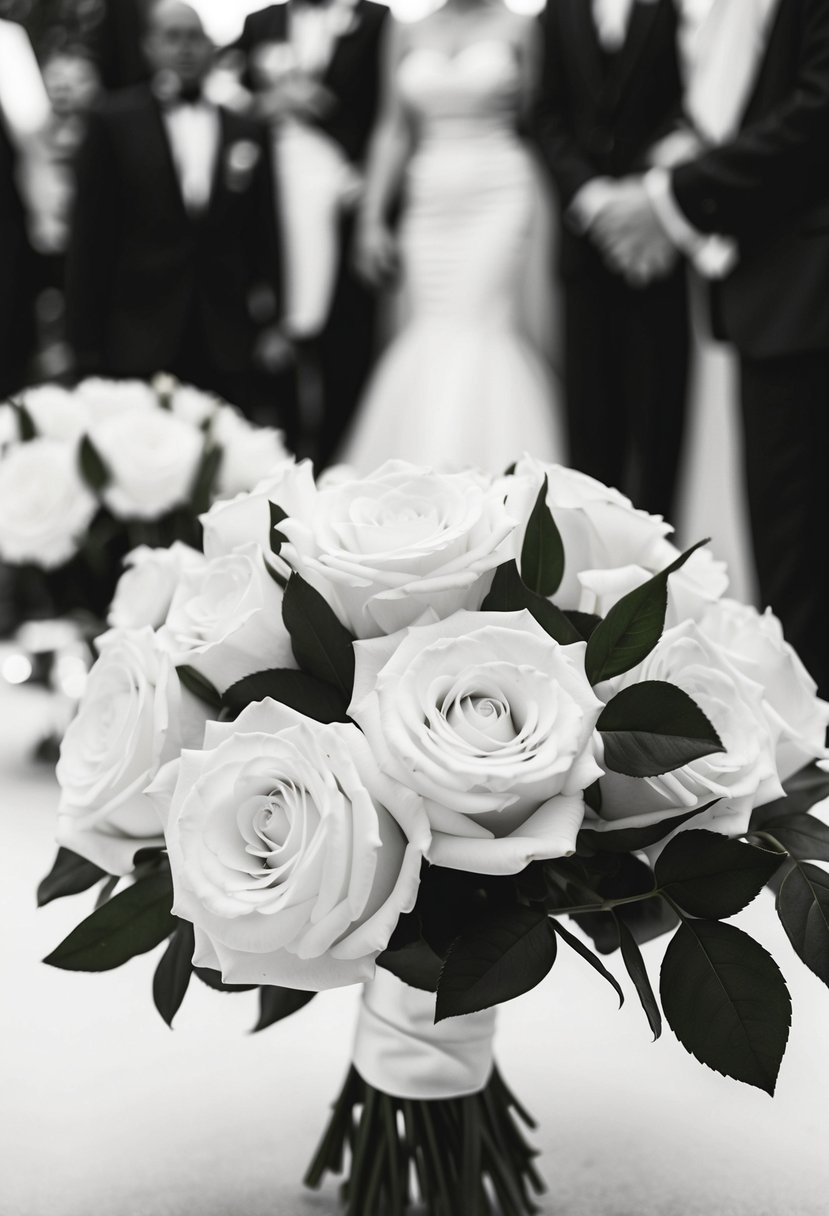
(708, 206)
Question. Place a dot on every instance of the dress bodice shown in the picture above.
(477, 89)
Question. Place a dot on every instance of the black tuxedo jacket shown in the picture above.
(140, 268)
(16, 316)
(117, 43)
(352, 74)
(598, 114)
(769, 187)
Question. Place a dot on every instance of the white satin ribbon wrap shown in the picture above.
(398, 1048)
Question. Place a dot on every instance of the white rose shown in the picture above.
(55, 412)
(283, 853)
(134, 716)
(106, 397)
(755, 645)
(384, 548)
(45, 507)
(225, 619)
(246, 518)
(249, 453)
(152, 458)
(487, 725)
(692, 589)
(145, 589)
(741, 777)
(191, 404)
(600, 528)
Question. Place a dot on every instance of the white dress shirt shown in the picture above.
(611, 18)
(193, 130)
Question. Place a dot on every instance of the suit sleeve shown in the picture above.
(569, 166)
(775, 166)
(262, 232)
(91, 249)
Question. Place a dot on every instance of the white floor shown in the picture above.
(103, 1110)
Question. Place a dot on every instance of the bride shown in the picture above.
(461, 383)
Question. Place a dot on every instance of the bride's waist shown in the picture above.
(462, 131)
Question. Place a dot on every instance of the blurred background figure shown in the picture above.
(173, 231)
(313, 67)
(460, 383)
(24, 112)
(72, 84)
(117, 42)
(610, 94)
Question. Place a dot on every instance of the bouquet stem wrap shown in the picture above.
(424, 1115)
(400, 1050)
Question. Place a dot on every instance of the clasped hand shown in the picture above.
(629, 235)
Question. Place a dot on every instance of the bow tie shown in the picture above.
(171, 92)
(190, 96)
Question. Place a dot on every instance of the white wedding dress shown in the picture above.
(461, 383)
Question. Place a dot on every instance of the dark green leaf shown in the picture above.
(587, 954)
(277, 538)
(804, 836)
(199, 686)
(638, 972)
(654, 727)
(584, 622)
(25, 423)
(634, 840)
(416, 965)
(204, 482)
(632, 627)
(278, 1003)
(301, 691)
(172, 975)
(505, 955)
(213, 979)
(93, 470)
(726, 1001)
(106, 890)
(711, 876)
(593, 796)
(134, 921)
(321, 643)
(508, 593)
(542, 553)
(803, 908)
(69, 875)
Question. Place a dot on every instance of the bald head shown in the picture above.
(176, 42)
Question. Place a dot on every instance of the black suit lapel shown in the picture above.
(643, 20)
(579, 34)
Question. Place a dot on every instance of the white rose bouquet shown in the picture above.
(396, 730)
(88, 474)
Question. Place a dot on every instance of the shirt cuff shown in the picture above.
(587, 203)
(712, 256)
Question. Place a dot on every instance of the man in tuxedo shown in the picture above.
(609, 101)
(173, 232)
(314, 66)
(759, 94)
